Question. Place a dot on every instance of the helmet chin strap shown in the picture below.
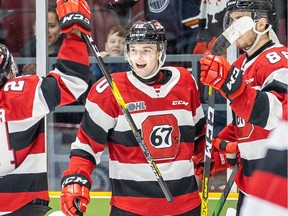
(271, 33)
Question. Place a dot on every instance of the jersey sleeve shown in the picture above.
(101, 111)
(70, 75)
(266, 102)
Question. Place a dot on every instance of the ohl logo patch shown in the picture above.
(136, 106)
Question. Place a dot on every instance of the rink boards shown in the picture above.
(99, 204)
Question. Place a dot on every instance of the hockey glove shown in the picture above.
(217, 72)
(218, 163)
(74, 14)
(228, 147)
(75, 196)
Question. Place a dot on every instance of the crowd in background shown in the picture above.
(192, 27)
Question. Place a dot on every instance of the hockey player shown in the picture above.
(270, 197)
(164, 103)
(255, 85)
(24, 102)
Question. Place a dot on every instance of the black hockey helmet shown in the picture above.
(147, 32)
(258, 9)
(7, 64)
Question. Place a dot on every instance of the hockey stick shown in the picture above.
(128, 117)
(231, 34)
(228, 37)
(208, 151)
(225, 193)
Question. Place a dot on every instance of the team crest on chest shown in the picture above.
(162, 136)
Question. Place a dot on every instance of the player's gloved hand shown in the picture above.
(74, 14)
(233, 159)
(75, 196)
(228, 147)
(232, 150)
(216, 71)
(218, 163)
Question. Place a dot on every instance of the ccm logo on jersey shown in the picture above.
(180, 102)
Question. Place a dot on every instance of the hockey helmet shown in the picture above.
(147, 32)
(258, 9)
(7, 64)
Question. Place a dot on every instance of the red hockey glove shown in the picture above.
(75, 196)
(228, 147)
(217, 72)
(74, 14)
(218, 163)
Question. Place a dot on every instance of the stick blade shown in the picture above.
(231, 34)
(220, 45)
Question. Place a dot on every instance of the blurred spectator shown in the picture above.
(55, 39)
(29, 69)
(180, 20)
(114, 46)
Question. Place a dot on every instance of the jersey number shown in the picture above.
(101, 86)
(274, 57)
(14, 86)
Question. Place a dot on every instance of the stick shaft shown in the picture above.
(225, 193)
(128, 117)
(208, 151)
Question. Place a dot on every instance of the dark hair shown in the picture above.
(52, 9)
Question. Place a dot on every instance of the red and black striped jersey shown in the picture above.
(258, 110)
(171, 121)
(24, 102)
(268, 186)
